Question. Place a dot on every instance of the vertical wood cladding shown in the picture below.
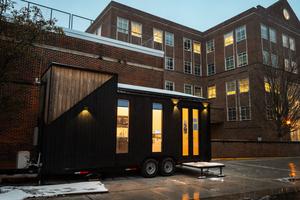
(69, 86)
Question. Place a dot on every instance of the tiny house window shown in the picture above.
(157, 115)
(122, 126)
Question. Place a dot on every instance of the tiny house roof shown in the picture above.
(125, 88)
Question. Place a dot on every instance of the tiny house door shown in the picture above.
(190, 132)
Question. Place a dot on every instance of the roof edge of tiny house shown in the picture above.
(127, 88)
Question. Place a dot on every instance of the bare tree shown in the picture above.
(19, 31)
(283, 98)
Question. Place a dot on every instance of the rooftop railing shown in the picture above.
(64, 19)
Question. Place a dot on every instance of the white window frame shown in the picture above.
(241, 117)
(264, 33)
(292, 44)
(285, 41)
(184, 67)
(214, 69)
(122, 29)
(171, 82)
(226, 66)
(230, 85)
(212, 49)
(212, 86)
(167, 67)
(168, 36)
(197, 43)
(242, 54)
(189, 85)
(135, 34)
(201, 90)
(184, 46)
(200, 67)
(238, 31)
(273, 35)
(231, 120)
(160, 41)
(230, 34)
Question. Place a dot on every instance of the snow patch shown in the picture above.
(23, 192)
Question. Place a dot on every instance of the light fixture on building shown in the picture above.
(288, 122)
(175, 102)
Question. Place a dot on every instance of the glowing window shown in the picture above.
(185, 132)
(228, 39)
(157, 35)
(122, 126)
(267, 86)
(197, 47)
(244, 85)
(231, 88)
(211, 92)
(157, 119)
(136, 29)
(195, 132)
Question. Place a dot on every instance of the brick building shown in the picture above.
(222, 64)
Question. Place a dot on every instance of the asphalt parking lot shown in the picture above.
(263, 178)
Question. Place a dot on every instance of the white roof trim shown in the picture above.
(112, 42)
(156, 90)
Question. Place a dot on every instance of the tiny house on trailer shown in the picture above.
(90, 122)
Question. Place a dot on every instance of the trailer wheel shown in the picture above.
(167, 167)
(150, 168)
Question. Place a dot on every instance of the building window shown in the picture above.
(136, 29)
(122, 126)
(211, 69)
(169, 85)
(266, 57)
(242, 59)
(244, 85)
(122, 25)
(294, 67)
(98, 31)
(157, 122)
(210, 46)
(240, 33)
(198, 91)
(292, 44)
(188, 89)
(274, 60)
(231, 114)
(187, 43)
(197, 69)
(169, 63)
(264, 32)
(197, 47)
(267, 85)
(286, 64)
(229, 63)
(285, 41)
(272, 35)
(245, 112)
(157, 35)
(228, 39)
(187, 67)
(231, 88)
(169, 37)
(211, 92)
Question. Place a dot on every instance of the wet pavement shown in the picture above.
(263, 179)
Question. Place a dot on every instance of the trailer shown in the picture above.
(90, 122)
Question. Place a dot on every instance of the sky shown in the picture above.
(197, 14)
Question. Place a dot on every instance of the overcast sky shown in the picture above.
(198, 14)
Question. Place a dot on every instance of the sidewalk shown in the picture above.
(244, 179)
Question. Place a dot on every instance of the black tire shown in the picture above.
(167, 167)
(150, 168)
